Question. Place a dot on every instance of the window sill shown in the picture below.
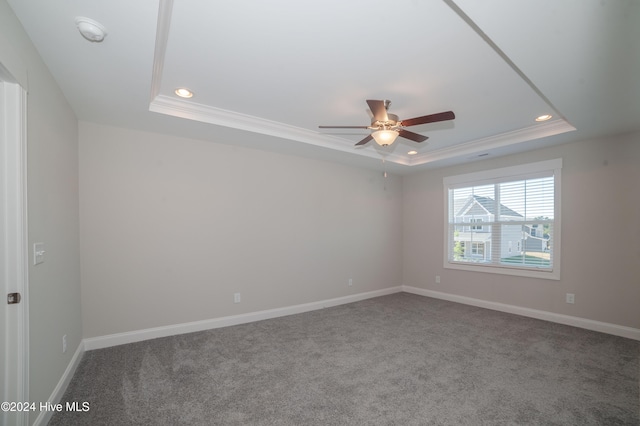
(505, 270)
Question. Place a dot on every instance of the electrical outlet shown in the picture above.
(236, 298)
(350, 281)
(64, 344)
(571, 298)
(437, 279)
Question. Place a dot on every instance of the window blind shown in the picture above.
(502, 219)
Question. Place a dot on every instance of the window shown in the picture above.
(505, 220)
(476, 227)
(477, 249)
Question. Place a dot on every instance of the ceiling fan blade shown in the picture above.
(343, 127)
(433, 118)
(365, 140)
(411, 135)
(378, 110)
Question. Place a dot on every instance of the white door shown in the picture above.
(14, 355)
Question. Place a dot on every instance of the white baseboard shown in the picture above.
(190, 327)
(44, 416)
(603, 327)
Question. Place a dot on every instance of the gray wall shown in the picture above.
(600, 234)
(172, 227)
(52, 197)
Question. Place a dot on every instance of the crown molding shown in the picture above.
(500, 140)
(165, 10)
(178, 108)
(193, 111)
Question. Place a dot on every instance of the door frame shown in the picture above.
(14, 257)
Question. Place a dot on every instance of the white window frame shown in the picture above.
(506, 174)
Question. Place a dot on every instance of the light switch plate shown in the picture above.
(38, 253)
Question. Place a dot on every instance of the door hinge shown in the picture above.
(13, 298)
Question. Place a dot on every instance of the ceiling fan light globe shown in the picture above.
(385, 137)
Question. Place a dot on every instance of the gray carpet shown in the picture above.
(394, 360)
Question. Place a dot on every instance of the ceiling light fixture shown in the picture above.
(90, 29)
(412, 152)
(184, 93)
(385, 137)
(544, 117)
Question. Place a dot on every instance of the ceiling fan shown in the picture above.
(387, 127)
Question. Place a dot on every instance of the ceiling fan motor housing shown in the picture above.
(391, 122)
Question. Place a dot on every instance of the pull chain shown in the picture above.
(384, 163)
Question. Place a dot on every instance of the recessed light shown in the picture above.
(184, 93)
(412, 152)
(544, 117)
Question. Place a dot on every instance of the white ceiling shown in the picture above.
(266, 74)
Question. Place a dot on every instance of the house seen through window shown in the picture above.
(505, 220)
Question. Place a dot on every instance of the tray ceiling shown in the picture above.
(266, 74)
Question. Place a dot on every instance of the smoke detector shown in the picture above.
(90, 29)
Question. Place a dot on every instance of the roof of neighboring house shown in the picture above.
(488, 204)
